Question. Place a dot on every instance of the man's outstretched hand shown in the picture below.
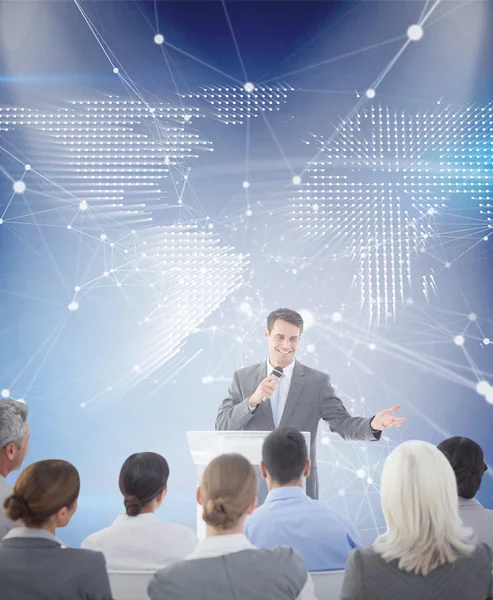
(385, 419)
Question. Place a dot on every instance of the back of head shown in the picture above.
(228, 488)
(41, 490)
(284, 454)
(143, 476)
(13, 417)
(419, 500)
(467, 460)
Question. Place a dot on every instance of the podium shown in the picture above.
(206, 445)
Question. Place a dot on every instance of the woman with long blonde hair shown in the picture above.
(425, 552)
(225, 565)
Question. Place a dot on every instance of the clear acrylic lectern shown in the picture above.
(206, 445)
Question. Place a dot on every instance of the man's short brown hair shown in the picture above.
(285, 314)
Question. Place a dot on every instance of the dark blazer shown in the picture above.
(310, 398)
(369, 577)
(42, 569)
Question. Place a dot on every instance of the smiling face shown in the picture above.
(283, 341)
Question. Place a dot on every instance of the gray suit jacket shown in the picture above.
(310, 398)
(5, 523)
(369, 577)
(41, 569)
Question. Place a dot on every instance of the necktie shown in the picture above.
(274, 402)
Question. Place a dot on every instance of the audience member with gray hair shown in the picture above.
(14, 442)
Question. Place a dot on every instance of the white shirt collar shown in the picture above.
(218, 545)
(138, 519)
(287, 371)
(30, 532)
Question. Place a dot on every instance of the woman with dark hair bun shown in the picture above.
(34, 563)
(467, 460)
(138, 540)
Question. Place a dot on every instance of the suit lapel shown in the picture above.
(265, 406)
(295, 389)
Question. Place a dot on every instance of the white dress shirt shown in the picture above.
(5, 523)
(141, 543)
(283, 383)
(219, 545)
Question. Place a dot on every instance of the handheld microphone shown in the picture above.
(277, 372)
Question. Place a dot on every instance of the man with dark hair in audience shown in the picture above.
(14, 443)
(467, 460)
(289, 517)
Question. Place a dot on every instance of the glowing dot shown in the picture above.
(486, 341)
(73, 305)
(489, 396)
(19, 187)
(116, 70)
(82, 404)
(69, 226)
(249, 212)
(105, 274)
(431, 211)
(83, 205)
(409, 301)
(246, 184)
(360, 473)
(296, 180)
(103, 236)
(308, 318)
(372, 346)
(5, 393)
(27, 167)
(337, 317)
(187, 117)
(485, 239)
(341, 492)
(325, 440)
(159, 39)
(310, 348)
(208, 379)
(447, 265)
(77, 288)
(166, 160)
(369, 481)
(415, 33)
(245, 308)
(248, 87)
(137, 369)
(459, 340)
(370, 93)
(482, 387)
(1, 221)
(472, 316)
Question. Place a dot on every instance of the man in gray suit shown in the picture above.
(260, 401)
(14, 443)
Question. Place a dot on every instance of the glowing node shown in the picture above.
(28, 168)
(482, 387)
(77, 288)
(325, 440)
(308, 318)
(472, 316)
(187, 117)
(341, 492)
(69, 226)
(369, 481)
(137, 369)
(5, 393)
(459, 340)
(249, 87)
(1, 221)
(447, 265)
(103, 236)
(415, 33)
(83, 404)
(360, 473)
(296, 180)
(116, 70)
(83, 205)
(431, 211)
(159, 39)
(372, 346)
(409, 301)
(310, 348)
(337, 317)
(370, 93)
(485, 239)
(105, 274)
(249, 212)
(208, 379)
(486, 341)
(19, 187)
(489, 396)
(246, 184)
(73, 305)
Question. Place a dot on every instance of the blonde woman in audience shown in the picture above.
(225, 565)
(34, 563)
(138, 540)
(425, 552)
